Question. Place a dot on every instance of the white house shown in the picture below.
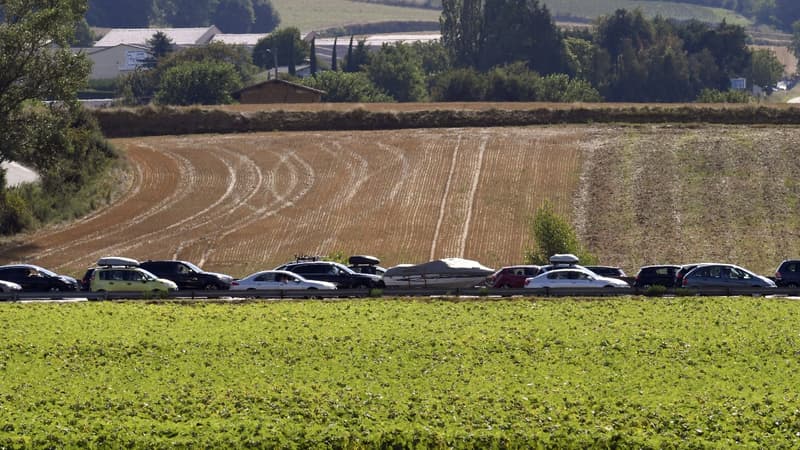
(111, 62)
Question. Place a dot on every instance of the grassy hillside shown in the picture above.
(590, 9)
(626, 373)
(308, 15)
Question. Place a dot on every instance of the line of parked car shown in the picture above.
(120, 274)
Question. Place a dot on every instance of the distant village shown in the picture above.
(123, 50)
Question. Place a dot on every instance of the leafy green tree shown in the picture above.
(579, 54)
(36, 62)
(288, 44)
(352, 87)
(765, 68)
(396, 70)
(204, 82)
(787, 12)
(84, 37)
(186, 13)
(462, 30)
(119, 13)
(266, 17)
(360, 57)
(515, 30)
(579, 90)
(512, 83)
(234, 16)
(140, 86)
(463, 84)
(553, 234)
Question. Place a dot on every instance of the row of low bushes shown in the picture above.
(153, 121)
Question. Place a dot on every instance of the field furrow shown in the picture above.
(637, 195)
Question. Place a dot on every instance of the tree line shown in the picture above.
(230, 16)
(491, 50)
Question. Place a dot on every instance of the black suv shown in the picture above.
(37, 279)
(661, 275)
(788, 274)
(339, 274)
(186, 275)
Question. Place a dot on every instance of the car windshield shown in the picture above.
(192, 266)
(46, 272)
(344, 268)
(147, 275)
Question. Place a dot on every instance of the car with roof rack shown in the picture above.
(119, 274)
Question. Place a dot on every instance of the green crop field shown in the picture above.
(560, 373)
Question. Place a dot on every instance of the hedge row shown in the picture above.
(154, 121)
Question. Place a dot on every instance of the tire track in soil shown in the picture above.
(471, 201)
(170, 231)
(281, 201)
(152, 169)
(443, 201)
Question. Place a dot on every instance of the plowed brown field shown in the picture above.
(638, 194)
(238, 203)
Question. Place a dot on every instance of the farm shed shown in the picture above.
(278, 91)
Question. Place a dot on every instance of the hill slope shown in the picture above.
(638, 195)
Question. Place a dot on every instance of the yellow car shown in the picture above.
(128, 279)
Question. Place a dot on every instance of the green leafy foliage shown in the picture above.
(627, 373)
(346, 87)
(198, 83)
(552, 234)
(287, 43)
(397, 70)
(715, 96)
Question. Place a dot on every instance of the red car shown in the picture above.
(512, 276)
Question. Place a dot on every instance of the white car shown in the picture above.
(278, 280)
(572, 278)
(7, 286)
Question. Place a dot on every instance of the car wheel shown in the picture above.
(792, 285)
(210, 287)
(506, 286)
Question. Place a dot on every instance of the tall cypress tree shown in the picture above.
(349, 67)
(334, 64)
(313, 68)
(291, 68)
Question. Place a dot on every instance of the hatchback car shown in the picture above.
(788, 273)
(573, 278)
(278, 279)
(37, 279)
(657, 275)
(333, 272)
(724, 275)
(187, 275)
(512, 276)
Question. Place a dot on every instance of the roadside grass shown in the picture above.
(629, 372)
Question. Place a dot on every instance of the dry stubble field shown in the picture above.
(637, 194)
